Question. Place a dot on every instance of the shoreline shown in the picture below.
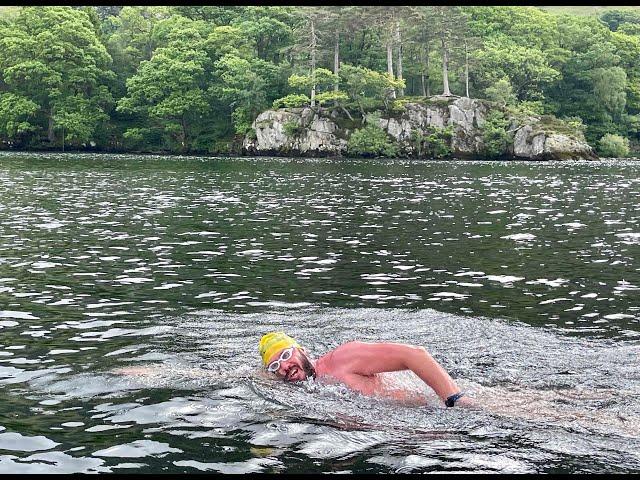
(4, 152)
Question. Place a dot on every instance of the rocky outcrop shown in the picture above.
(308, 134)
(465, 115)
(531, 142)
(305, 132)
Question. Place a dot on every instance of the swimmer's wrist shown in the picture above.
(452, 399)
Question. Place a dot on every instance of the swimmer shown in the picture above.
(358, 365)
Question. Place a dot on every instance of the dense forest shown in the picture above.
(191, 79)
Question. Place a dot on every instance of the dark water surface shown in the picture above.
(134, 290)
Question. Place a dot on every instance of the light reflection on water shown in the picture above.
(133, 294)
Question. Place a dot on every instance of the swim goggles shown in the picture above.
(286, 354)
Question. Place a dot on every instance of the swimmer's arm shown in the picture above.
(157, 370)
(370, 358)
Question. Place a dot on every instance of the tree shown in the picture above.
(609, 85)
(447, 22)
(614, 19)
(308, 36)
(55, 67)
(17, 116)
(271, 28)
(321, 80)
(580, 90)
(385, 20)
(526, 68)
(422, 37)
(501, 92)
(360, 84)
(131, 40)
(244, 85)
(611, 145)
(170, 88)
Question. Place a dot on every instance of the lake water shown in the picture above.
(134, 290)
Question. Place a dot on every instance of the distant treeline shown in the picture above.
(191, 79)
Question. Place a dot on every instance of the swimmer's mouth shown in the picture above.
(292, 371)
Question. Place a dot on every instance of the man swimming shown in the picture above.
(357, 365)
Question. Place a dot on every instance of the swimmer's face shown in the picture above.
(296, 368)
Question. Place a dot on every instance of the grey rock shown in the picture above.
(320, 134)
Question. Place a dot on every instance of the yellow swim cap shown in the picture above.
(272, 342)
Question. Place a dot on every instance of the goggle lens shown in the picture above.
(284, 356)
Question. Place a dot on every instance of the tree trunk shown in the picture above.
(347, 113)
(184, 134)
(336, 58)
(399, 62)
(428, 74)
(364, 115)
(390, 64)
(313, 63)
(466, 69)
(423, 61)
(51, 135)
(445, 69)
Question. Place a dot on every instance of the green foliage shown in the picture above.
(434, 143)
(439, 141)
(362, 84)
(526, 68)
(321, 77)
(399, 105)
(190, 78)
(575, 126)
(333, 96)
(609, 85)
(292, 128)
(292, 100)
(529, 107)
(130, 40)
(494, 134)
(17, 114)
(616, 18)
(169, 89)
(371, 141)
(501, 92)
(245, 85)
(611, 145)
(54, 67)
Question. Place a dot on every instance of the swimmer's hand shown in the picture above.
(466, 402)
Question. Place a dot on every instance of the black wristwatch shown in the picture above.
(451, 399)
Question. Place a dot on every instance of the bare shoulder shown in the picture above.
(359, 349)
(342, 359)
(347, 350)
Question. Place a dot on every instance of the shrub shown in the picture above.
(399, 105)
(440, 141)
(611, 145)
(292, 128)
(577, 124)
(371, 141)
(494, 134)
(333, 96)
(501, 92)
(292, 101)
(434, 143)
(527, 108)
